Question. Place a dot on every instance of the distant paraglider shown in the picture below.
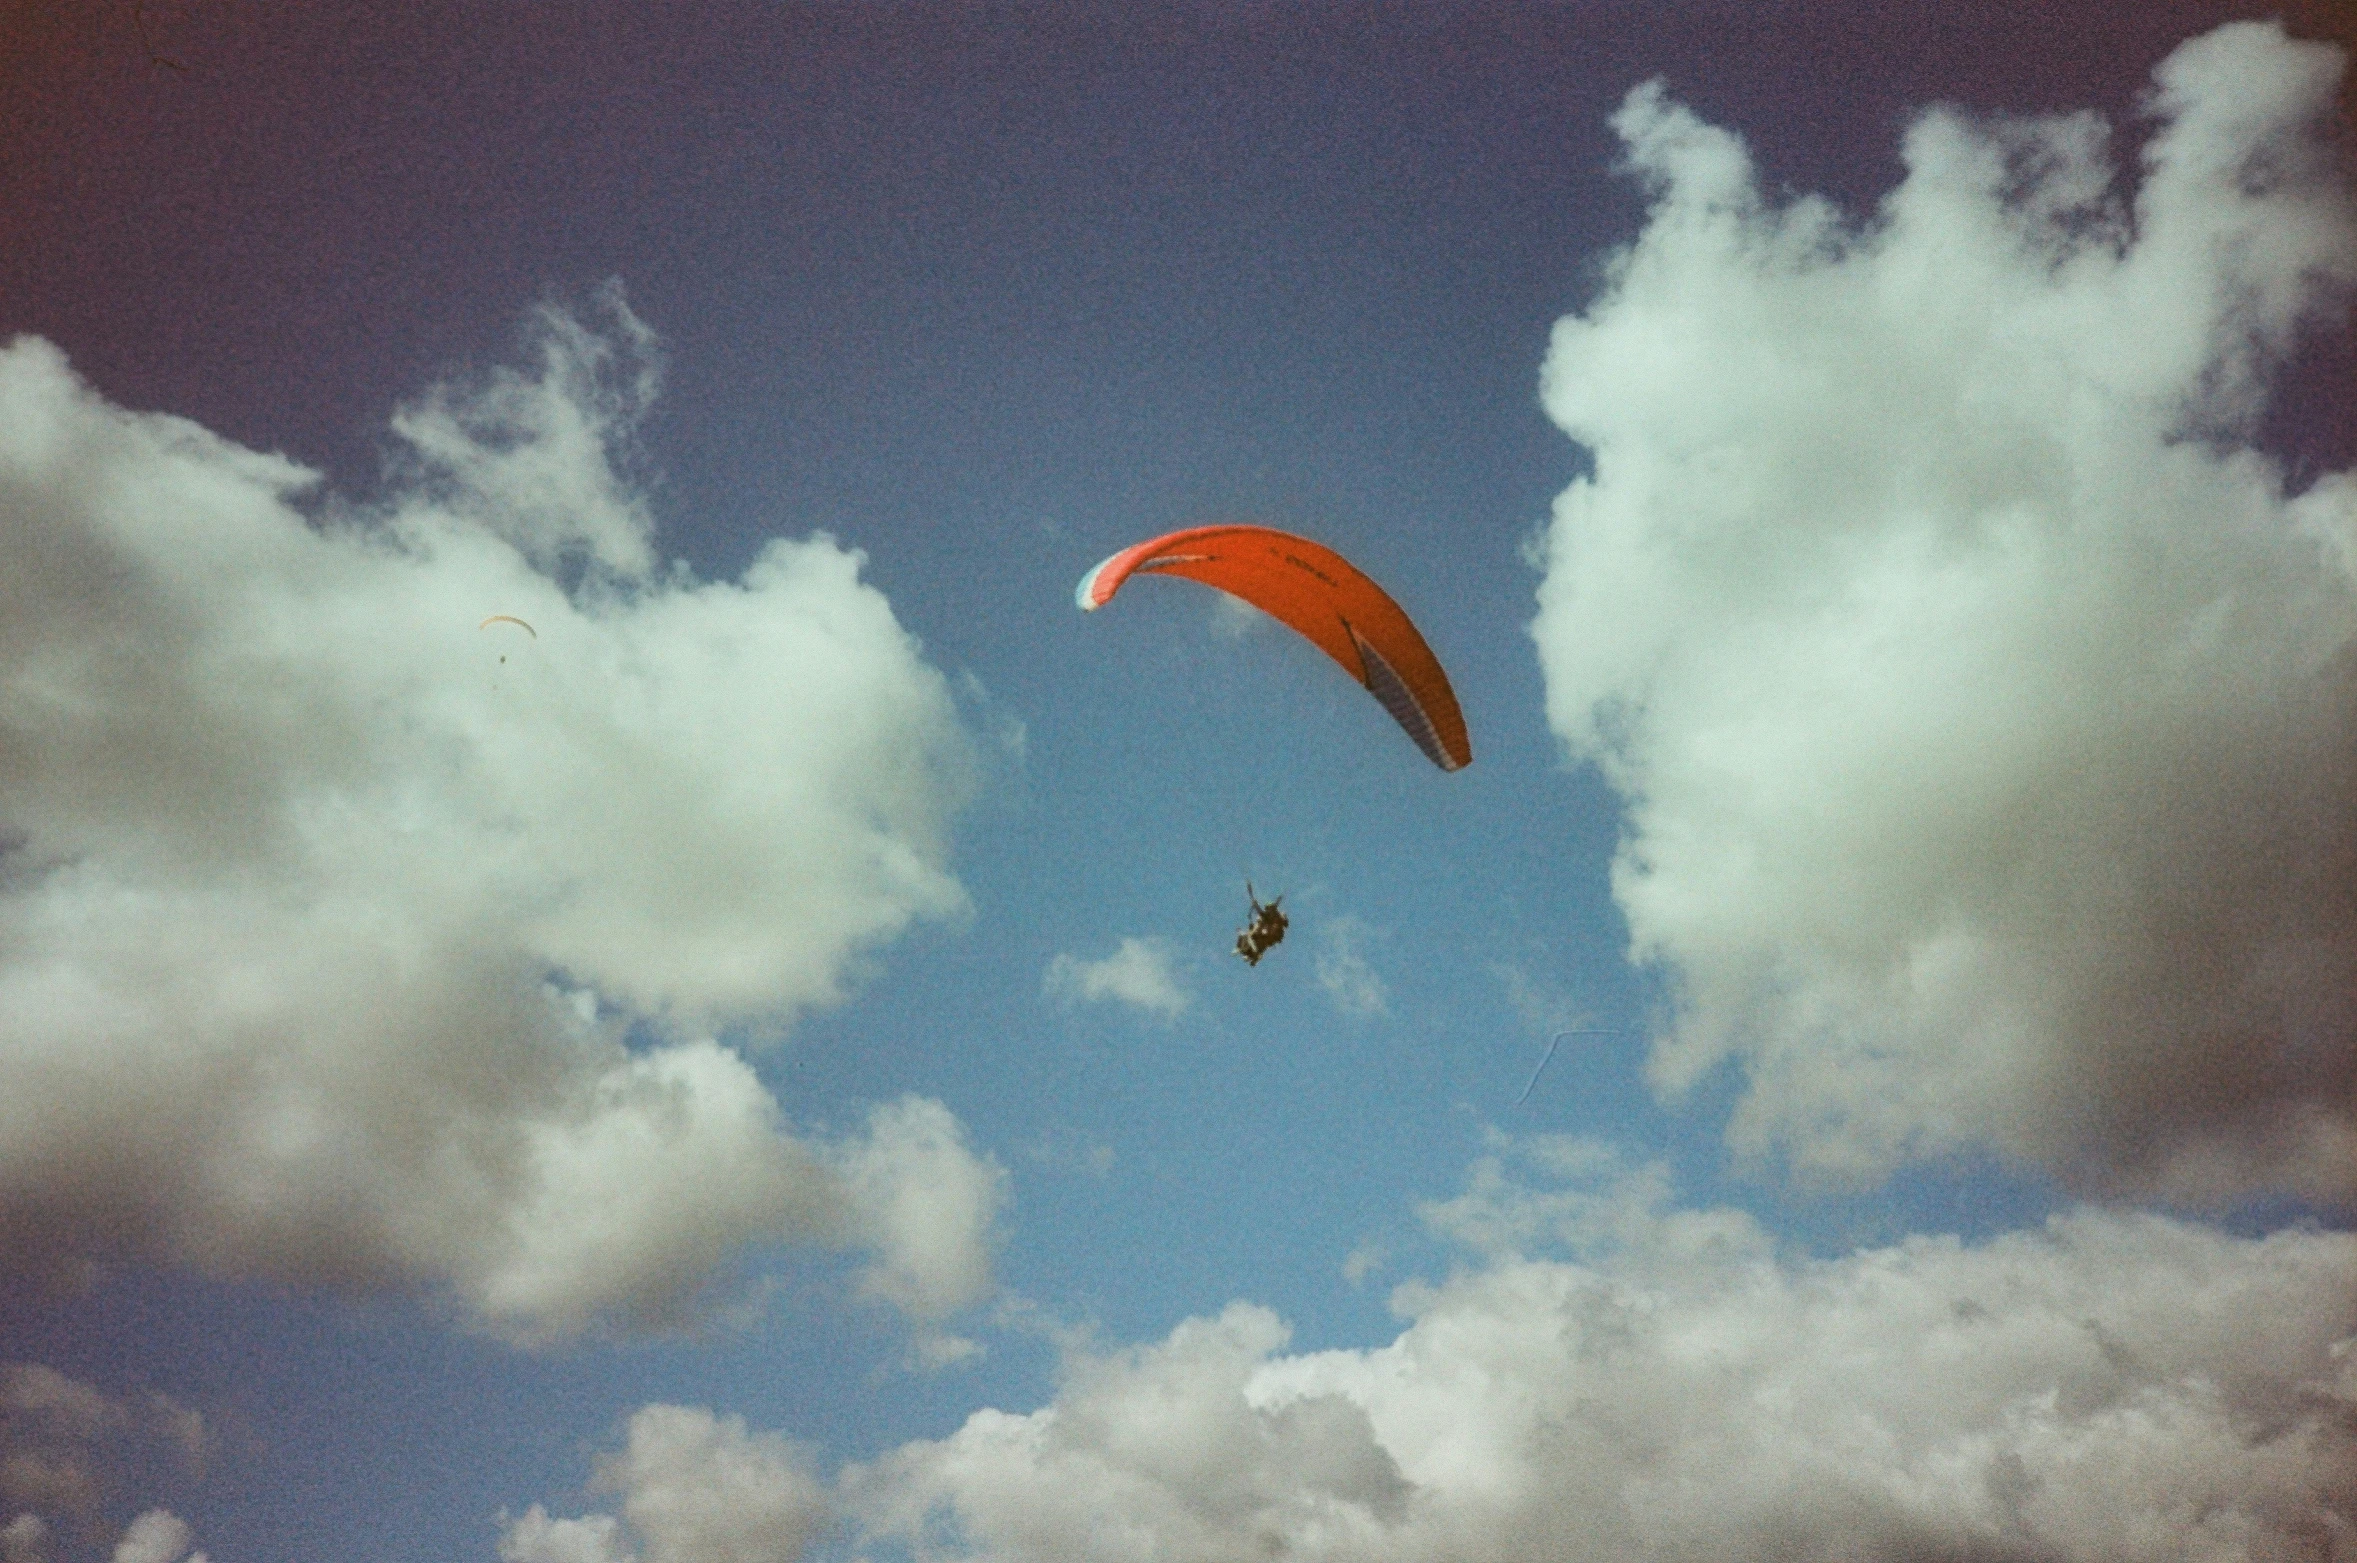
(1324, 597)
(1266, 930)
(508, 618)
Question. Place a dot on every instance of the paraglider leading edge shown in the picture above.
(1321, 596)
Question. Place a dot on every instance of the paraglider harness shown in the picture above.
(1266, 930)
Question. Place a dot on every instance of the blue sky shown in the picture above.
(754, 1068)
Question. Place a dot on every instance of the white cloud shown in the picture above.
(535, 1537)
(930, 1207)
(695, 1488)
(24, 1539)
(1152, 1453)
(1232, 618)
(33, 1394)
(158, 1536)
(1343, 970)
(639, 1187)
(1985, 711)
(323, 914)
(2115, 1386)
(527, 456)
(1066, 1152)
(1541, 1006)
(60, 1443)
(1591, 1205)
(1138, 973)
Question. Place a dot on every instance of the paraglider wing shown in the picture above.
(1315, 591)
(509, 618)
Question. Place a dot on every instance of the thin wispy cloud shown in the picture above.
(1232, 618)
(1350, 983)
(1138, 973)
(1540, 1005)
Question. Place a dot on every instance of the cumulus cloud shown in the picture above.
(931, 1206)
(1343, 971)
(24, 1539)
(2123, 1386)
(695, 1488)
(158, 1536)
(1149, 1453)
(58, 1440)
(327, 919)
(1983, 701)
(1137, 973)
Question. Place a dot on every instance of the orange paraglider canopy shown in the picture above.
(1314, 590)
